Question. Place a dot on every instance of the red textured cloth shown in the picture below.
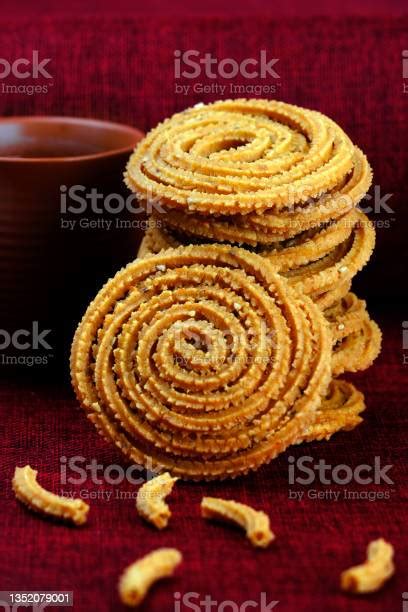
(277, 9)
(121, 68)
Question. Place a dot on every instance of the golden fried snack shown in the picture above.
(155, 240)
(318, 263)
(340, 265)
(302, 249)
(311, 245)
(339, 411)
(240, 156)
(346, 316)
(138, 577)
(333, 204)
(255, 522)
(201, 361)
(358, 350)
(357, 338)
(328, 298)
(35, 497)
(264, 229)
(373, 574)
(158, 239)
(150, 498)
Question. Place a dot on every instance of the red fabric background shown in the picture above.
(121, 68)
(277, 9)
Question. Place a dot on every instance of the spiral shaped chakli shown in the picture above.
(202, 361)
(356, 338)
(256, 229)
(243, 156)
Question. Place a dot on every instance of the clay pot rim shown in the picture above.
(79, 121)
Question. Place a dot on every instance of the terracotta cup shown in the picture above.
(49, 269)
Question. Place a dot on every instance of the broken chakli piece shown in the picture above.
(201, 361)
(371, 575)
(38, 499)
(255, 522)
(150, 501)
(137, 579)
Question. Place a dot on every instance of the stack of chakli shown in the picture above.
(254, 235)
(274, 178)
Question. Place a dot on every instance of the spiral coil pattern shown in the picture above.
(202, 361)
(272, 226)
(240, 156)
